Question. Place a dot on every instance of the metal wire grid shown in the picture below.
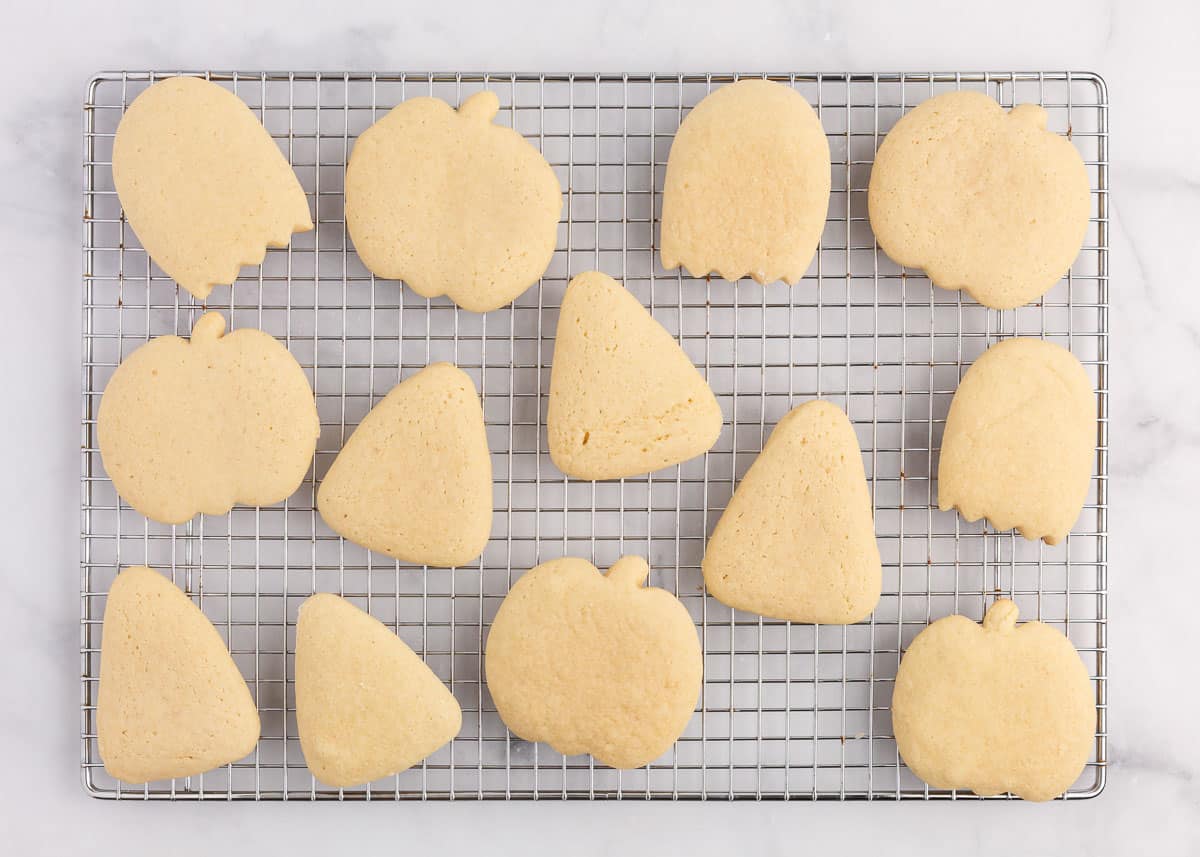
(787, 711)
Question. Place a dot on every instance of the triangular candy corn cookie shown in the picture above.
(366, 705)
(189, 427)
(414, 481)
(595, 663)
(452, 203)
(747, 185)
(202, 183)
(624, 397)
(171, 702)
(797, 540)
(1020, 440)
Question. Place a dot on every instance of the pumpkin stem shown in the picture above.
(630, 570)
(209, 328)
(1001, 616)
(482, 106)
(1031, 113)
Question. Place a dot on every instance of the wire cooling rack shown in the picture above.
(787, 711)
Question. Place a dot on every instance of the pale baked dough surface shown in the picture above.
(982, 199)
(747, 185)
(994, 708)
(592, 663)
(797, 540)
(1020, 440)
(202, 183)
(624, 397)
(171, 702)
(197, 427)
(414, 480)
(366, 705)
(451, 203)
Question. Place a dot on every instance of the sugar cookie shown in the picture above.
(197, 427)
(747, 185)
(171, 700)
(1020, 440)
(797, 540)
(452, 204)
(624, 397)
(994, 708)
(202, 183)
(593, 663)
(982, 199)
(366, 705)
(414, 481)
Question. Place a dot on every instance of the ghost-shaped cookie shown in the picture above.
(982, 199)
(202, 183)
(1020, 440)
(747, 185)
(451, 203)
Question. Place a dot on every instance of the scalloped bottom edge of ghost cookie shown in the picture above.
(1028, 531)
(252, 259)
(763, 278)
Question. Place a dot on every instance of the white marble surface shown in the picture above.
(1146, 50)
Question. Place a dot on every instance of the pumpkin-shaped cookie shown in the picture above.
(1020, 440)
(197, 427)
(171, 702)
(994, 708)
(451, 203)
(593, 663)
(747, 185)
(366, 704)
(983, 199)
(202, 183)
